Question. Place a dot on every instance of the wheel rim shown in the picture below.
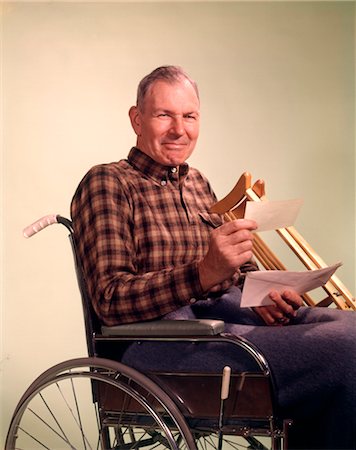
(57, 412)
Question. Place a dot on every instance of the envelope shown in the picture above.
(271, 215)
(259, 284)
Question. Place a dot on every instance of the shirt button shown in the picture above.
(193, 300)
(163, 182)
(173, 169)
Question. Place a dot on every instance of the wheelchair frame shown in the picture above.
(132, 410)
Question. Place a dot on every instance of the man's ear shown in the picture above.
(135, 120)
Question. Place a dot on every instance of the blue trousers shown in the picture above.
(312, 359)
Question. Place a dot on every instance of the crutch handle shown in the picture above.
(37, 226)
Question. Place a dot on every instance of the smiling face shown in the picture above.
(167, 127)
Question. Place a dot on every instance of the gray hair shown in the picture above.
(170, 74)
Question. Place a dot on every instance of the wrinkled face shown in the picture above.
(168, 127)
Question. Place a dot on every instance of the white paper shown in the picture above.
(271, 215)
(259, 284)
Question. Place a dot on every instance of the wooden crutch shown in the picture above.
(233, 207)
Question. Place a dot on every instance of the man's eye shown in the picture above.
(163, 115)
(190, 117)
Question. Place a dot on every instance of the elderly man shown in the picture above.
(150, 249)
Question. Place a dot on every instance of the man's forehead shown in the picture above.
(162, 86)
(166, 95)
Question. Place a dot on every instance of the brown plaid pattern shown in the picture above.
(141, 230)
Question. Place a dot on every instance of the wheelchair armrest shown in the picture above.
(203, 327)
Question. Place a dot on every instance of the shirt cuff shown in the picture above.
(187, 284)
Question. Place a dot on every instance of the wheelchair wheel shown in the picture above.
(93, 403)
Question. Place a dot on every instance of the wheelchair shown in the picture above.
(97, 402)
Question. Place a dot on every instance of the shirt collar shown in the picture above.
(151, 168)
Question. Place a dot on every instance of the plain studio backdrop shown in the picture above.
(277, 86)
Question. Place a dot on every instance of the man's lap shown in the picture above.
(315, 349)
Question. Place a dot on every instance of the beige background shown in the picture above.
(277, 87)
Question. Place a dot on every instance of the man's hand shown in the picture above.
(230, 247)
(285, 308)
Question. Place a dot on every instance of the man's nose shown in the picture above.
(177, 126)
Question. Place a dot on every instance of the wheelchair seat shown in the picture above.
(99, 402)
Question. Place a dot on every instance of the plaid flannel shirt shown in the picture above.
(141, 229)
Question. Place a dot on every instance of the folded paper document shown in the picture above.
(271, 215)
(259, 284)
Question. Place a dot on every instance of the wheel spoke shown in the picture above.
(79, 422)
(32, 437)
(64, 437)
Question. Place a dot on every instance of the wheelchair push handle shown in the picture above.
(40, 224)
